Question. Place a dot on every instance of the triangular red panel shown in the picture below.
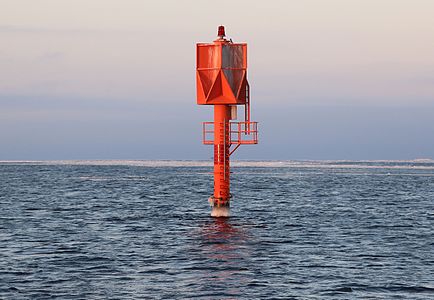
(242, 92)
(199, 89)
(216, 90)
(227, 90)
(207, 78)
(234, 78)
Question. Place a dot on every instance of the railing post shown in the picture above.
(239, 132)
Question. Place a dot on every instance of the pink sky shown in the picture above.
(137, 57)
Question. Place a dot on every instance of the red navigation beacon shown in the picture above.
(221, 80)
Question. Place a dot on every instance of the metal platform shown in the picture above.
(240, 133)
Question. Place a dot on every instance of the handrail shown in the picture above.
(239, 133)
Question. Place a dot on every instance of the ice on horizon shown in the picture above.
(359, 164)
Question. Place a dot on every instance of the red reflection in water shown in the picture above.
(222, 240)
(223, 246)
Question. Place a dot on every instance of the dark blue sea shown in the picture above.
(142, 230)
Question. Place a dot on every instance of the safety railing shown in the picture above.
(239, 133)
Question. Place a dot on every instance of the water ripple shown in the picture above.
(330, 230)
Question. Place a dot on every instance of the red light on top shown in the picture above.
(221, 31)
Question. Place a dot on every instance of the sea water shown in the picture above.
(142, 229)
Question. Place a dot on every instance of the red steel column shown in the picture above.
(222, 114)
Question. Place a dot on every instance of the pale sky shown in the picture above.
(336, 79)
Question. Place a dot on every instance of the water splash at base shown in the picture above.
(220, 211)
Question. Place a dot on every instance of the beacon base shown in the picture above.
(219, 209)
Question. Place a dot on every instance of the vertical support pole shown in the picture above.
(247, 110)
(222, 115)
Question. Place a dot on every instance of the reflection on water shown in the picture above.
(221, 240)
(224, 252)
